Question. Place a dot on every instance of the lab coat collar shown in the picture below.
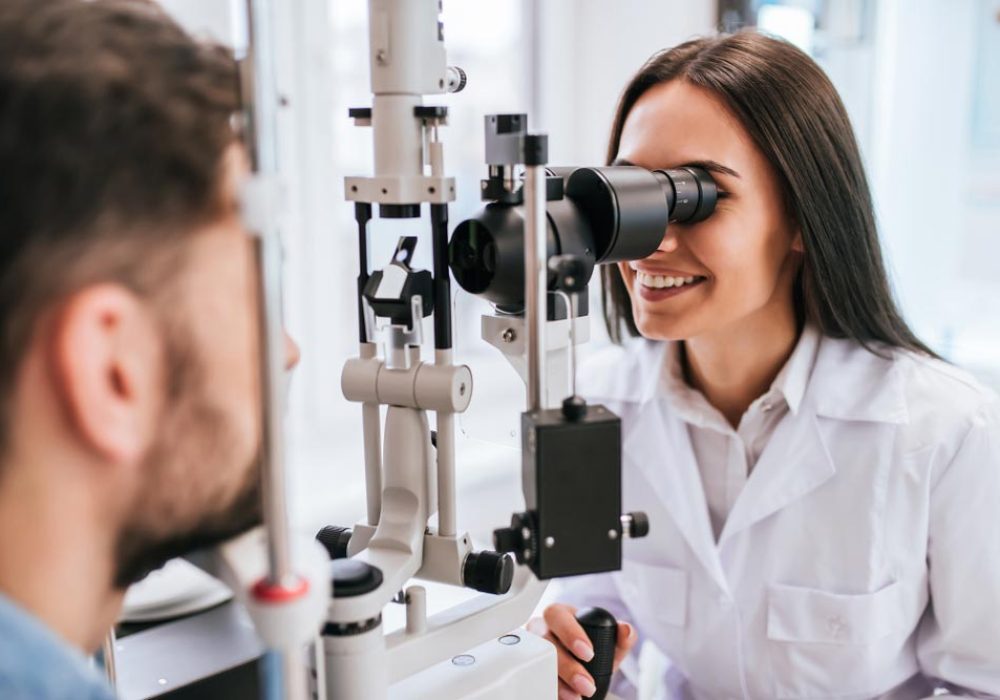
(846, 383)
(794, 377)
(795, 462)
(854, 384)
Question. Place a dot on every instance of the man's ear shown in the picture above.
(106, 362)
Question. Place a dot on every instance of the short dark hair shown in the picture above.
(792, 112)
(114, 124)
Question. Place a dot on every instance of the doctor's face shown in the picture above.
(739, 265)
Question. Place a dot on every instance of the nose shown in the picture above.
(670, 242)
(292, 352)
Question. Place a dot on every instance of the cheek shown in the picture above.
(228, 347)
(743, 257)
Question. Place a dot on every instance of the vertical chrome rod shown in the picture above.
(108, 657)
(286, 667)
(535, 279)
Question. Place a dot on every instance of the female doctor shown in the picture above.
(823, 492)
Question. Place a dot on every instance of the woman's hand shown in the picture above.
(560, 627)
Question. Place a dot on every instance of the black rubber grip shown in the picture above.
(602, 630)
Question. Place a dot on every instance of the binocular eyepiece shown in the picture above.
(598, 215)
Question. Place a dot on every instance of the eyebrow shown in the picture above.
(709, 165)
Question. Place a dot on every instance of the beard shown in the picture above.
(143, 549)
(194, 496)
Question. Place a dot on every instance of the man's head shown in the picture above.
(128, 358)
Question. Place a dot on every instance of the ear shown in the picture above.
(106, 363)
(797, 245)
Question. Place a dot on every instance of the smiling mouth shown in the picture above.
(665, 281)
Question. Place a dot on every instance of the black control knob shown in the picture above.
(640, 524)
(602, 630)
(572, 272)
(519, 538)
(335, 540)
(574, 408)
(488, 572)
(457, 79)
(507, 539)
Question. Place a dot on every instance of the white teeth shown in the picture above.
(662, 281)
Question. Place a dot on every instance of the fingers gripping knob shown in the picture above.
(602, 630)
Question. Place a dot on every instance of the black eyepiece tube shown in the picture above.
(691, 193)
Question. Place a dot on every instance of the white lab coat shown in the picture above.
(862, 554)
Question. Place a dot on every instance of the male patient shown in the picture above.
(129, 395)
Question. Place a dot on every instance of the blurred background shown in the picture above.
(920, 78)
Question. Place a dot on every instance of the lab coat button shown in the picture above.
(837, 627)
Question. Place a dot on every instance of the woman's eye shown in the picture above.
(722, 194)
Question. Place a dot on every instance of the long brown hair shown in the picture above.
(795, 117)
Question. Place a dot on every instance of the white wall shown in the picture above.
(588, 50)
(214, 18)
(936, 194)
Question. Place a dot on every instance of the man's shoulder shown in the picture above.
(36, 665)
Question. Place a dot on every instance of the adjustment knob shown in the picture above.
(335, 540)
(488, 572)
(572, 272)
(507, 539)
(635, 524)
(519, 538)
(456, 79)
(602, 630)
(574, 408)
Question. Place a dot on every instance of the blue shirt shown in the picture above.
(35, 664)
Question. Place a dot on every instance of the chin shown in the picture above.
(661, 327)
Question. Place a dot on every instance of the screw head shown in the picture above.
(509, 335)
(550, 542)
(612, 534)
